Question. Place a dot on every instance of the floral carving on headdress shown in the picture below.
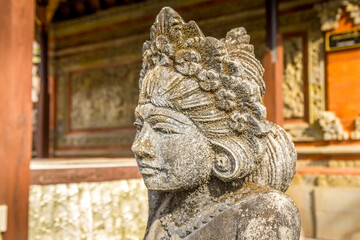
(187, 62)
(209, 80)
(240, 122)
(225, 100)
(237, 122)
(226, 69)
(158, 52)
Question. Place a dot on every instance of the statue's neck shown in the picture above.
(182, 208)
(191, 199)
(187, 204)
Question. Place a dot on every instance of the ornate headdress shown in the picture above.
(226, 68)
(220, 91)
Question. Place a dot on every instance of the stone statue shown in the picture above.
(214, 167)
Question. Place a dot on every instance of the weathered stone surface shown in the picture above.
(214, 167)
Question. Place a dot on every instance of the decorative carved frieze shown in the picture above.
(329, 12)
(309, 131)
(355, 135)
(331, 127)
(83, 80)
(293, 84)
(100, 98)
(322, 125)
(316, 79)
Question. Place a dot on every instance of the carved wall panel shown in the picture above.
(104, 210)
(102, 98)
(309, 130)
(293, 83)
(321, 124)
(316, 78)
(313, 93)
(96, 94)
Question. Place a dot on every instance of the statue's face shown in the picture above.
(171, 152)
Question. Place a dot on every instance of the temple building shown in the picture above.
(84, 181)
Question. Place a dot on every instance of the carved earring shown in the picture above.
(222, 163)
(229, 165)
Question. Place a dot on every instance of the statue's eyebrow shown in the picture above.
(173, 117)
(149, 111)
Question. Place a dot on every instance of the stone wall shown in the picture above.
(99, 210)
(328, 205)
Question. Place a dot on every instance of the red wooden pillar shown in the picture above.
(16, 39)
(273, 63)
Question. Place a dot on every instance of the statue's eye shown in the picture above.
(138, 124)
(164, 128)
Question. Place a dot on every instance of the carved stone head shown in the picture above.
(200, 118)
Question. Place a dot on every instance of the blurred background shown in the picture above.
(69, 71)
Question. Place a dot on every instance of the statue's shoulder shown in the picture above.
(268, 214)
(267, 200)
(264, 214)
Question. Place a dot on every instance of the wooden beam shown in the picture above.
(41, 14)
(64, 10)
(51, 8)
(95, 5)
(80, 8)
(128, 1)
(55, 171)
(16, 39)
(271, 26)
(42, 126)
(274, 66)
(110, 3)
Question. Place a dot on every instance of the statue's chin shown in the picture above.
(166, 185)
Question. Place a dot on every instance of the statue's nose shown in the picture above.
(143, 144)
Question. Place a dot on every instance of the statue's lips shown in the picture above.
(146, 169)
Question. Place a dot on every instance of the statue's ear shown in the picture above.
(232, 160)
